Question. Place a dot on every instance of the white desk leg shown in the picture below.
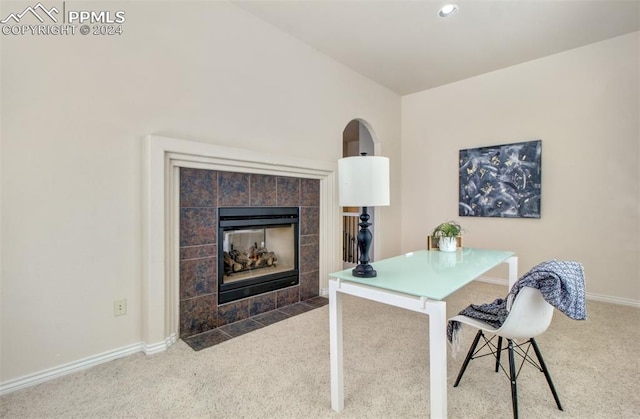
(438, 358)
(513, 270)
(335, 347)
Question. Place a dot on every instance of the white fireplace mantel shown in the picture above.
(163, 156)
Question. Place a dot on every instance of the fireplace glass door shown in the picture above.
(250, 253)
(258, 250)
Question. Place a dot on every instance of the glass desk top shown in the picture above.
(429, 273)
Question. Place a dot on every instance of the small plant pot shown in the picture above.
(447, 244)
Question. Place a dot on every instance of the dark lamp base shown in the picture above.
(364, 271)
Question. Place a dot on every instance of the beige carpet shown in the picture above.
(282, 371)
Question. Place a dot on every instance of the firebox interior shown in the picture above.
(259, 251)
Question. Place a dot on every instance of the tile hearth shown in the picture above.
(230, 331)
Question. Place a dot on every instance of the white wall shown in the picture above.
(583, 105)
(74, 112)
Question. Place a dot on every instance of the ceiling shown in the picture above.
(405, 46)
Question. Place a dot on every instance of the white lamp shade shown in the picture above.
(363, 181)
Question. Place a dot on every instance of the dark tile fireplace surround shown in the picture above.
(202, 192)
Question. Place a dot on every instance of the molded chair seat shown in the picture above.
(530, 315)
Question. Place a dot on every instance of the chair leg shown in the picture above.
(546, 372)
(512, 378)
(468, 358)
(498, 352)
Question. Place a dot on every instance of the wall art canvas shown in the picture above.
(501, 181)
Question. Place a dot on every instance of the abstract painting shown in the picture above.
(501, 181)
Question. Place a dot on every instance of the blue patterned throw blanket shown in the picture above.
(561, 283)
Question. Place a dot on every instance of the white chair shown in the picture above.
(530, 315)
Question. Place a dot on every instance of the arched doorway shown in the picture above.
(357, 138)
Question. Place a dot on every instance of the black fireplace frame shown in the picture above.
(240, 218)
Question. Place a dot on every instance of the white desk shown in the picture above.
(418, 281)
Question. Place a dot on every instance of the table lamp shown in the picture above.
(363, 181)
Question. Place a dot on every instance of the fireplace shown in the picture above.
(205, 302)
(257, 251)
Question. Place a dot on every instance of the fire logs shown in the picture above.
(254, 258)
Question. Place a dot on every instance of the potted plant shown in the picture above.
(447, 235)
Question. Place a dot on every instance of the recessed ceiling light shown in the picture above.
(447, 10)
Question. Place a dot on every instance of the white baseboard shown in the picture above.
(62, 370)
(588, 296)
(613, 300)
(497, 281)
(158, 347)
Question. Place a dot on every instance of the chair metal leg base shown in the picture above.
(469, 357)
(513, 377)
(543, 366)
(498, 352)
(512, 373)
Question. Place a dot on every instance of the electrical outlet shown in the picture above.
(120, 307)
